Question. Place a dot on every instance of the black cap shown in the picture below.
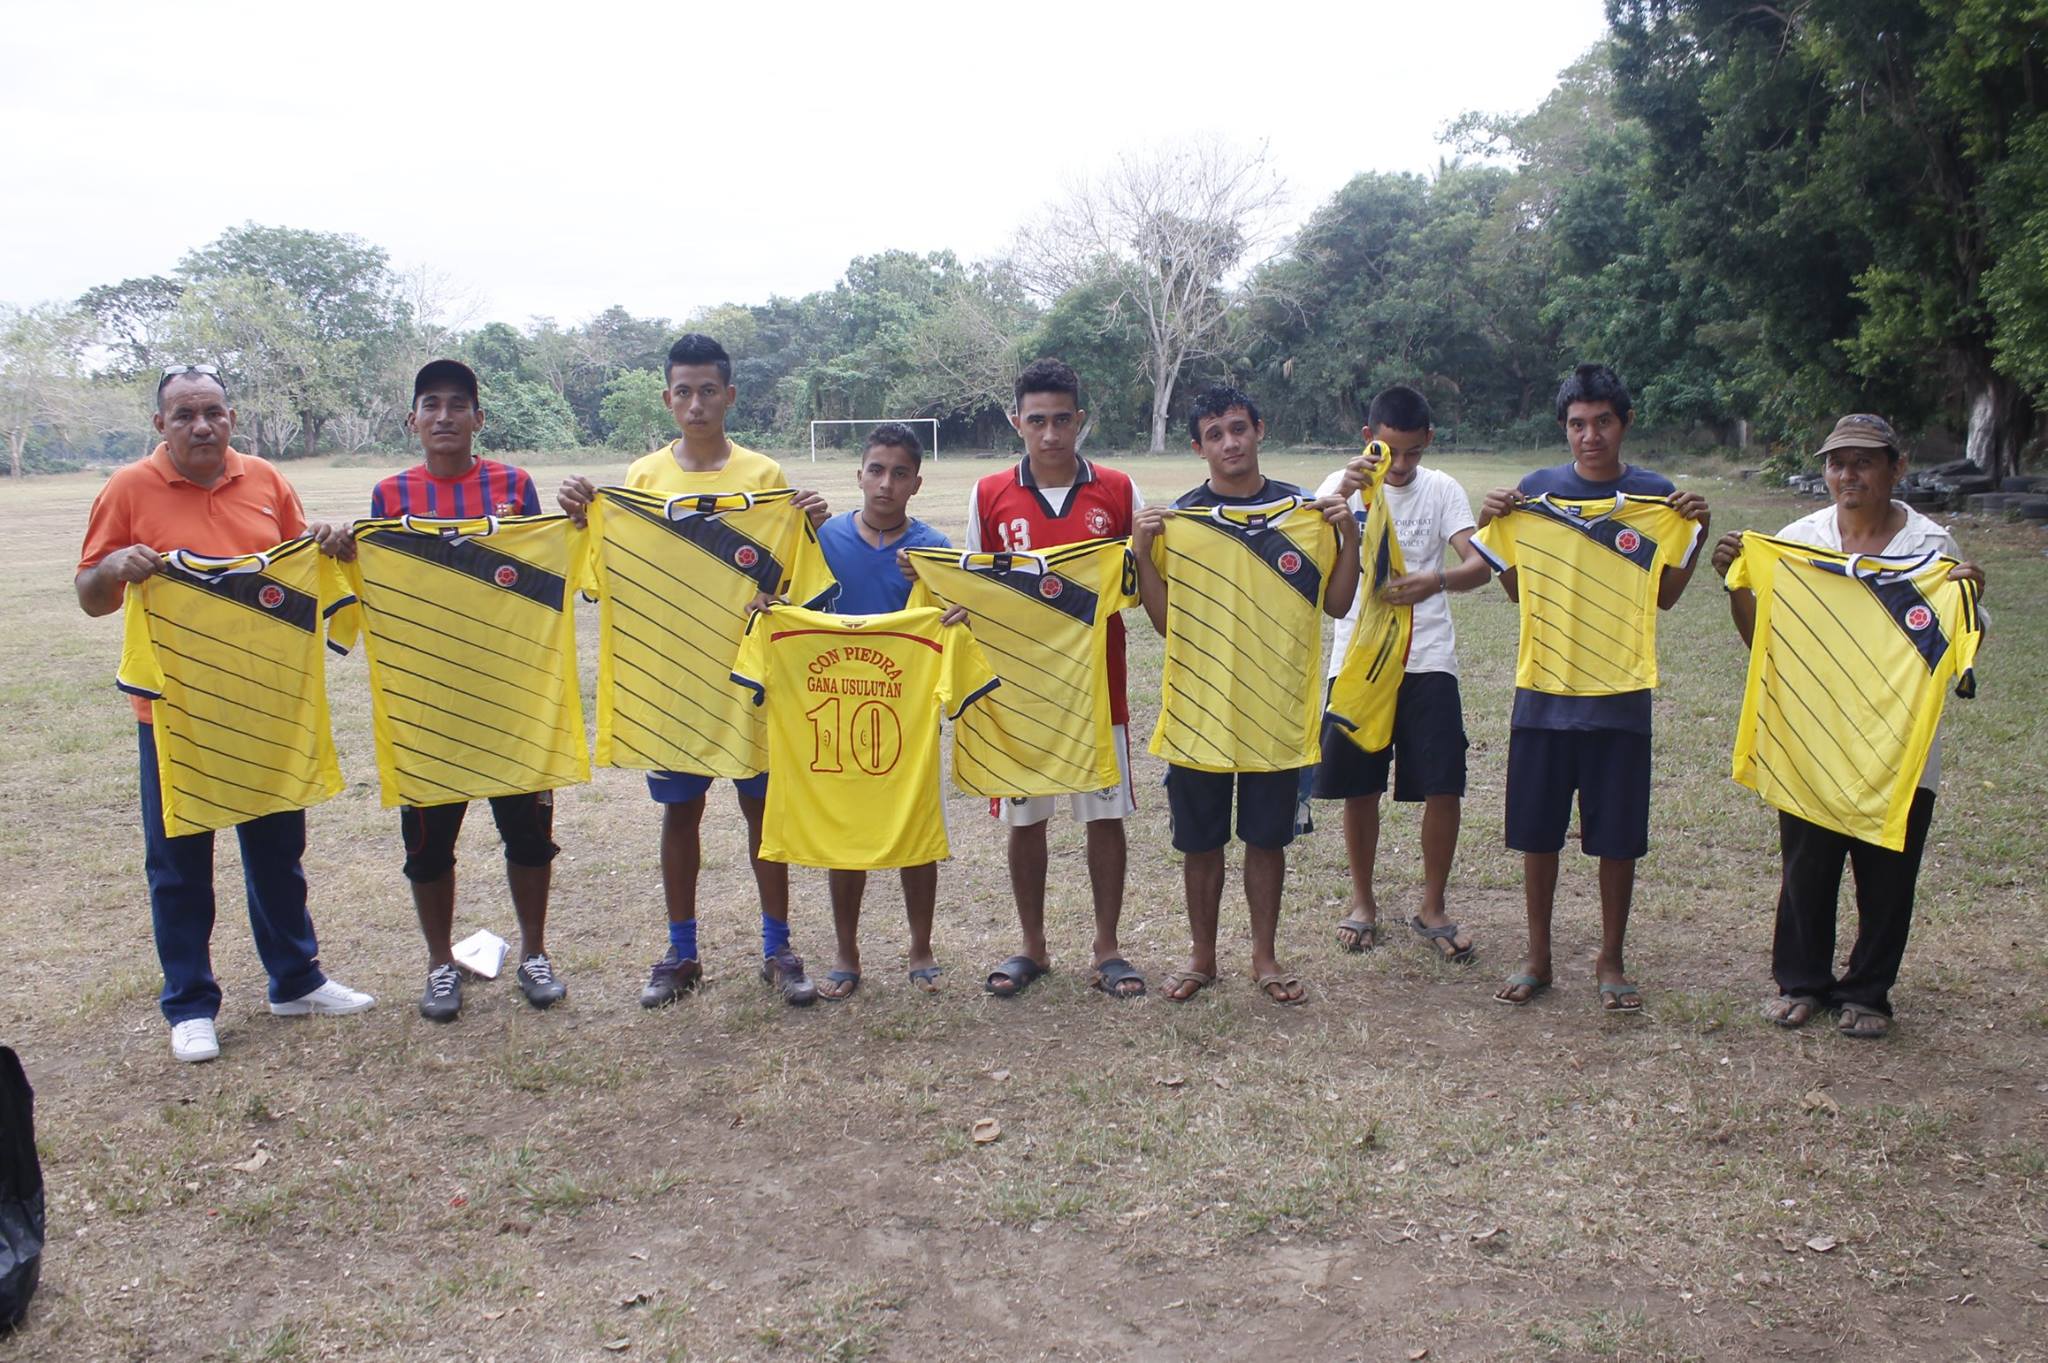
(438, 372)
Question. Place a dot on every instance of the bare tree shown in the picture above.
(42, 375)
(1172, 228)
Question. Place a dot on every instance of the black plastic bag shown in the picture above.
(21, 1193)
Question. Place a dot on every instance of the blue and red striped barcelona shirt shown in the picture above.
(488, 489)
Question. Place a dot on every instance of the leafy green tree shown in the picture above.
(43, 385)
(520, 414)
(634, 413)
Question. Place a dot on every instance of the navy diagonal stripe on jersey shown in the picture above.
(1897, 594)
(1820, 725)
(1297, 646)
(1072, 599)
(1604, 531)
(465, 555)
(1181, 638)
(1628, 601)
(1268, 545)
(240, 675)
(294, 607)
(716, 537)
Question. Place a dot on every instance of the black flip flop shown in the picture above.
(1365, 934)
(1114, 972)
(1021, 971)
(1447, 933)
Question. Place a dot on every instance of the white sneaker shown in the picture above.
(331, 999)
(194, 1040)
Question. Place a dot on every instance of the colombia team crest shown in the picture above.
(1289, 563)
(746, 556)
(271, 596)
(1628, 541)
(1050, 587)
(506, 576)
(1919, 618)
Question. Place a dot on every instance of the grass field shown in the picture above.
(1399, 1166)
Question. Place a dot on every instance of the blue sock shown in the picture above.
(682, 938)
(774, 935)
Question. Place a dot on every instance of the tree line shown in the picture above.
(1764, 215)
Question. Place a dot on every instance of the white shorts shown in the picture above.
(1086, 806)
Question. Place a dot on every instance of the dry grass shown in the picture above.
(1400, 1165)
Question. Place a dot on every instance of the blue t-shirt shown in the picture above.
(1629, 711)
(870, 583)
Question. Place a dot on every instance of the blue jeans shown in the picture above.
(181, 902)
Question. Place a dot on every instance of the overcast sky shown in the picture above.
(671, 157)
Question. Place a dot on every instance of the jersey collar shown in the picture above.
(1084, 473)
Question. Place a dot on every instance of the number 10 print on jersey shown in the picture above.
(853, 705)
(471, 630)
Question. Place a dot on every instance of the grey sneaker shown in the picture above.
(671, 978)
(443, 997)
(537, 981)
(785, 971)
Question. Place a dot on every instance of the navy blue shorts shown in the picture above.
(681, 787)
(1427, 754)
(1610, 770)
(1198, 806)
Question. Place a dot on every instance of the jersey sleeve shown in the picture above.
(377, 503)
(750, 668)
(1496, 542)
(964, 674)
(139, 674)
(529, 495)
(1120, 587)
(974, 518)
(345, 620)
(337, 594)
(1743, 575)
(580, 556)
(1683, 535)
(811, 583)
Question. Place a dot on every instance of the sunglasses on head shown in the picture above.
(206, 371)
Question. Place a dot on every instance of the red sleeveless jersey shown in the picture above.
(1011, 513)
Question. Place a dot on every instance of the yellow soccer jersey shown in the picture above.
(745, 471)
(1588, 574)
(471, 630)
(853, 705)
(1849, 665)
(1244, 635)
(229, 651)
(675, 575)
(1041, 618)
(1363, 692)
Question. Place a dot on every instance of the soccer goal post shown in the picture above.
(931, 446)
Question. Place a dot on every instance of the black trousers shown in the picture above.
(1803, 952)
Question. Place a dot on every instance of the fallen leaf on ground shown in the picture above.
(1220, 1082)
(1821, 1244)
(986, 1130)
(1171, 1081)
(1486, 1234)
(999, 1075)
(633, 1299)
(494, 1315)
(1417, 1355)
(1819, 1100)
(254, 1162)
(617, 1346)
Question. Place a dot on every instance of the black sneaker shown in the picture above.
(443, 997)
(537, 981)
(785, 971)
(671, 978)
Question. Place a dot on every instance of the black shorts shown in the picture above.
(1427, 754)
(525, 822)
(1610, 770)
(1198, 807)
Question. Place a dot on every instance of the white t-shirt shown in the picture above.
(1426, 513)
(1917, 536)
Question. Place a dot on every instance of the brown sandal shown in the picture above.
(1282, 987)
(1188, 977)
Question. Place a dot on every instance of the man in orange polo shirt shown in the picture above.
(194, 492)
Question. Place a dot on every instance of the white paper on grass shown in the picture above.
(482, 953)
